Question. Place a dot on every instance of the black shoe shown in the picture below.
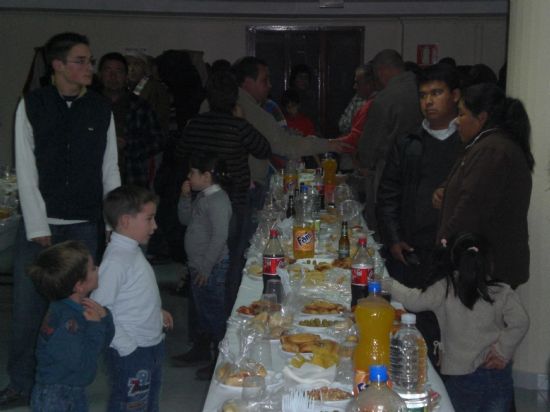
(10, 398)
(205, 373)
(194, 357)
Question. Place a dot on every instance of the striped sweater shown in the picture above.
(232, 139)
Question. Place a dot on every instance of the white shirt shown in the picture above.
(32, 203)
(128, 287)
(441, 134)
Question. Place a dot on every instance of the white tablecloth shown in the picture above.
(251, 290)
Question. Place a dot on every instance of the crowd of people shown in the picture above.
(445, 165)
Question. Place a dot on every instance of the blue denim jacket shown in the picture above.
(69, 346)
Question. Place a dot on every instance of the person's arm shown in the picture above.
(219, 214)
(389, 197)
(111, 174)
(32, 202)
(256, 144)
(416, 300)
(516, 320)
(282, 141)
(185, 205)
(485, 177)
(76, 347)
(112, 276)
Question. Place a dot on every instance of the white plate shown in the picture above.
(272, 382)
(337, 404)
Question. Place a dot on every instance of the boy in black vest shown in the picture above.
(66, 160)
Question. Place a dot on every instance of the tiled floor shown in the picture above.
(181, 392)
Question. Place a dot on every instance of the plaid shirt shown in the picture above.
(137, 123)
(344, 124)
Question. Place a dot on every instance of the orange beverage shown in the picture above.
(303, 240)
(329, 166)
(374, 318)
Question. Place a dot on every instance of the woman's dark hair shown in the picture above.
(503, 112)
(222, 91)
(466, 262)
(299, 69)
(210, 162)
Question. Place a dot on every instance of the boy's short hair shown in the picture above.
(58, 47)
(442, 73)
(57, 270)
(126, 200)
(222, 92)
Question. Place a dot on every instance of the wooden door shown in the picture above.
(332, 53)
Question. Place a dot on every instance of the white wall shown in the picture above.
(468, 39)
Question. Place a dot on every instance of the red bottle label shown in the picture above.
(360, 276)
(271, 264)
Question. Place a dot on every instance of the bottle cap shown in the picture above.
(374, 287)
(303, 188)
(273, 233)
(362, 241)
(378, 373)
(408, 318)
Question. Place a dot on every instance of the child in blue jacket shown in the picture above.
(74, 331)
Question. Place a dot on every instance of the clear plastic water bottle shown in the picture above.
(408, 364)
(377, 397)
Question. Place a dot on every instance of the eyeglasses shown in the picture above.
(83, 61)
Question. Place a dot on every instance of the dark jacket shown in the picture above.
(398, 207)
(69, 149)
(68, 345)
(488, 192)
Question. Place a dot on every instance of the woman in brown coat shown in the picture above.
(489, 188)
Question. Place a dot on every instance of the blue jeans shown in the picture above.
(210, 301)
(135, 379)
(59, 398)
(485, 390)
(29, 307)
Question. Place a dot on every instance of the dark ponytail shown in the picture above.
(210, 162)
(466, 262)
(503, 112)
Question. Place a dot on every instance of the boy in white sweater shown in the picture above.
(128, 287)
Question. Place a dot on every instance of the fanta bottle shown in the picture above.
(303, 235)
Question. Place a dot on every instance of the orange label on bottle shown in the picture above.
(304, 239)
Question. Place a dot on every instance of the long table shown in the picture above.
(251, 290)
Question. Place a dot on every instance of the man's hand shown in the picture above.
(494, 360)
(200, 280)
(437, 197)
(397, 250)
(43, 241)
(93, 306)
(167, 320)
(186, 189)
(339, 146)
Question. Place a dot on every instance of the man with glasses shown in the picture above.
(66, 160)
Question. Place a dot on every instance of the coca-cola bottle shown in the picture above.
(273, 257)
(362, 269)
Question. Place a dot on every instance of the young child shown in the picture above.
(128, 287)
(74, 331)
(207, 219)
(482, 322)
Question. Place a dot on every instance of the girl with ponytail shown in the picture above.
(482, 322)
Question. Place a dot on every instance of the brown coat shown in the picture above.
(488, 192)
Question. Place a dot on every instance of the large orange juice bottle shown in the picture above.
(374, 318)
